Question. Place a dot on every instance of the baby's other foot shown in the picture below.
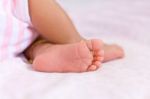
(112, 52)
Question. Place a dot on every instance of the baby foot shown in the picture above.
(79, 57)
(112, 52)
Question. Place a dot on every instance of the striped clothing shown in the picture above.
(15, 29)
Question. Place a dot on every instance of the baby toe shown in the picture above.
(97, 44)
(99, 58)
(92, 68)
(97, 63)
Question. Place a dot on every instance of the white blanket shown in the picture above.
(126, 23)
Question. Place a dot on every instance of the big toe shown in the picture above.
(95, 44)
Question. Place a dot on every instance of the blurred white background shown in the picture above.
(124, 18)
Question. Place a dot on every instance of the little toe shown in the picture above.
(97, 63)
(96, 44)
(92, 68)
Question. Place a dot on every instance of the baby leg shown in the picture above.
(54, 25)
(51, 21)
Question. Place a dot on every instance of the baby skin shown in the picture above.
(77, 57)
(60, 48)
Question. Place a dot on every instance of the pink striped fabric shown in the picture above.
(15, 35)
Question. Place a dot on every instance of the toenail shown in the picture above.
(92, 68)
